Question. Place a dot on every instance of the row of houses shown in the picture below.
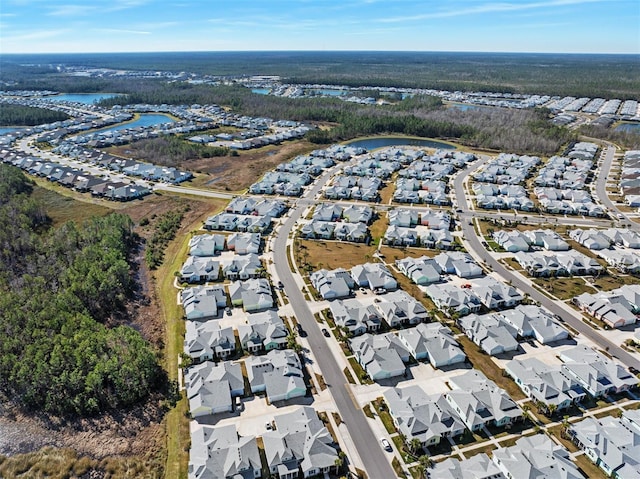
(235, 222)
(213, 244)
(349, 213)
(611, 443)
(384, 356)
(208, 340)
(492, 196)
(298, 446)
(201, 269)
(623, 259)
(629, 181)
(507, 169)
(363, 188)
(412, 190)
(339, 283)
(616, 308)
(246, 205)
(418, 236)
(567, 201)
(332, 230)
(134, 168)
(531, 456)
(74, 178)
(212, 387)
(205, 302)
(436, 166)
(565, 173)
(513, 241)
(474, 402)
(397, 309)
(410, 217)
(497, 333)
(595, 239)
(372, 166)
(560, 263)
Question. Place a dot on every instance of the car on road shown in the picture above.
(280, 285)
(385, 444)
(458, 211)
(326, 332)
(301, 332)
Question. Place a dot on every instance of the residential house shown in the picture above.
(252, 294)
(244, 243)
(278, 373)
(212, 386)
(536, 456)
(478, 466)
(300, 444)
(492, 335)
(337, 283)
(222, 453)
(373, 276)
(203, 302)
(434, 342)
(495, 294)
(611, 443)
(422, 271)
(243, 267)
(381, 356)
(458, 263)
(545, 384)
(208, 340)
(597, 374)
(399, 308)
(198, 269)
(206, 245)
(479, 402)
(263, 332)
(453, 300)
(355, 317)
(417, 415)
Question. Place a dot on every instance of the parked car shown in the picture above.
(385, 444)
(301, 332)
(326, 332)
(227, 310)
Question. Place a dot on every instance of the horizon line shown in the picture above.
(322, 51)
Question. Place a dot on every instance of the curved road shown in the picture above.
(367, 445)
(570, 316)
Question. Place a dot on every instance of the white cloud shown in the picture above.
(487, 8)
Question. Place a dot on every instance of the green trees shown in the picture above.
(165, 230)
(19, 115)
(54, 285)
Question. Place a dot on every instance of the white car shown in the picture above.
(385, 444)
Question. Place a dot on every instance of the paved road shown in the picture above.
(564, 311)
(367, 445)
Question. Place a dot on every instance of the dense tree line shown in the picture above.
(18, 115)
(629, 140)
(609, 76)
(171, 150)
(57, 288)
(165, 228)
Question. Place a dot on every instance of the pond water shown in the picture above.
(261, 91)
(9, 129)
(466, 106)
(328, 92)
(382, 141)
(146, 119)
(629, 127)
(86, 98)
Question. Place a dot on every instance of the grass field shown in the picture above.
(564, 287)
(62, 208)
(484, 363)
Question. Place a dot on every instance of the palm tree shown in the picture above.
(421, 471)
(415, 444)
(425, 460)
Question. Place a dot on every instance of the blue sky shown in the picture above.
(576, 26)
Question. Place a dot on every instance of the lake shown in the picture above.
(382, 141)
(327, 92)
(261, 91)
(4, 130)
(146, 119)
(86, 98)
(628, 127)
